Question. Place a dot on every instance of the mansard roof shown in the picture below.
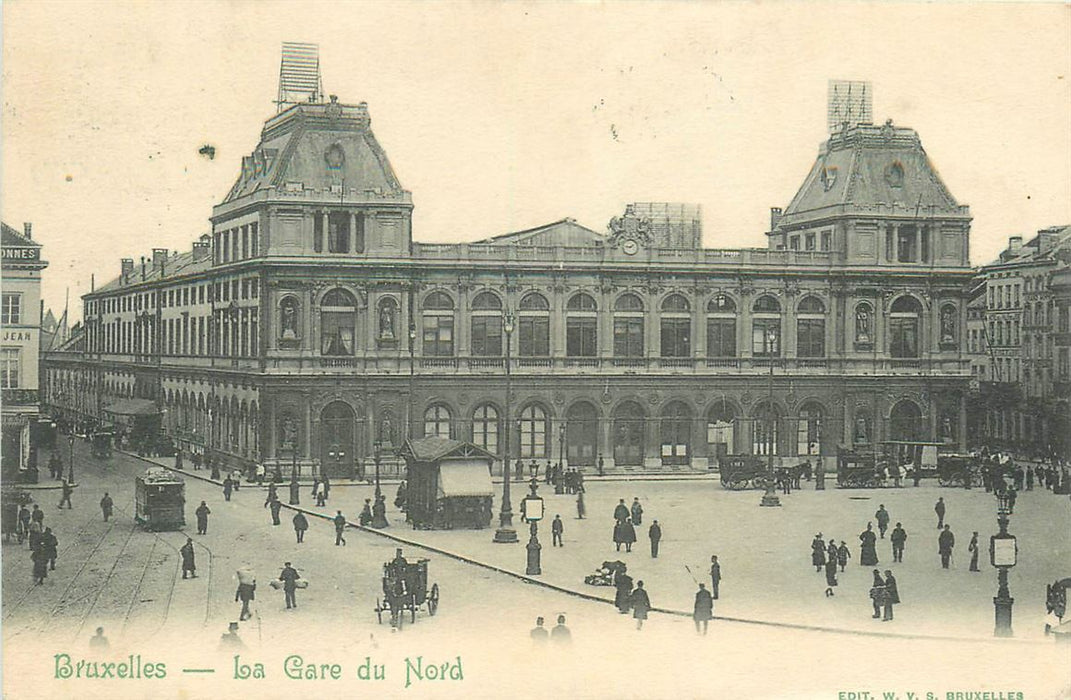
(316, 146)
(564, 232)
(867, 168)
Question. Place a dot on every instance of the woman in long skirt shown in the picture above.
(831, 575)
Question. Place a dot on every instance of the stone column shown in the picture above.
(353, 232)
(325, 230)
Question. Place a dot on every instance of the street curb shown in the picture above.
(598, 599)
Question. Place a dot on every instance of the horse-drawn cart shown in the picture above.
(405, 588)
(857, 469)
(741, 471)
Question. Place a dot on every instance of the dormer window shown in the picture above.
(894, 174)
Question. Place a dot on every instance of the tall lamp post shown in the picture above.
(377, 448)
(1003, 551)
(412, 366)
(70, 467)
(532, 512)
(505, 534)
(561, 445)
(770, 497)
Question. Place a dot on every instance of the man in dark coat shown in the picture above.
(877, 594)
(715, 576)
(703, 611)
(40, 565)
(939, 508)
(301, 524)
(189, 566)
(818, 553)
(945, 542)
(50, 546)
(621, 512)
(641, 604)
(273, 494)
(228, 485)
(581, 510)
(66, 497)
(973, 549)
(561, 634)
(882, 516)
(275, 506)
(557, 529)
(831, 575)
(637, 511)
(295, 490)
(106, 506)
(623, 595)
(539, 633)
(868, 553)
(340, 525)
(628, 534)
(24, 523)
(655, 533)
(246, 593)
(898, 537)
(202, 518)
(289, 576)
(892, 596)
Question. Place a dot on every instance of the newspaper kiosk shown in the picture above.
(448, 484)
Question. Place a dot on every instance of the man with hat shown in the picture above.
(289, 576)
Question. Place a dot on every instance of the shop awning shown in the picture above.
(133, 407)
(464, 478)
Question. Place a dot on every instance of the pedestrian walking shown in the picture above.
(50, 546)
(628, 534)
(98, 641)
(899, 538)
(882, 516)
(557, 528)
(539, 633)
(106, 506)
(273, 494)
(973, 549)
(601, 465)
(246, 593)
(1013, 493)
(289, 576)
(939, 508)
(868, 553)
(621, 511)
(831, 551)
(623, 594)
(877, 594)
(641, 604)
(36, 530)
(275, 506)
(259, 474)
(301, 524)
(40, 565)
(228, 486)
(202, 513)
(831, 575)
(636, 511)
(295, 490)
(891, 597)
(581, 510)
(655, 533)
(818, 553)
(1029, 478)
(68, 489)
(365, 518)
(319, 492)
(340, 525)
(703, 610)
(561, 634)
(945, 542)
(189, 566)
(715, 576)
(24, 523)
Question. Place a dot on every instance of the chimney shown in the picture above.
(1048, 238)
(775, 217)
(142, 268)
(159, 258)
(1015, 244)
(127, 269)
(201, 249)
(27, 230)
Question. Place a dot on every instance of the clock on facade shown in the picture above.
(630, 247)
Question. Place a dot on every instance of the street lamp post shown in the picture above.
(70, 467)
(769, 498)
(532, 511)
(505, 534)
(379, 515)
(377, 446)
(412, 366)
(561, 446)
(1003, 552)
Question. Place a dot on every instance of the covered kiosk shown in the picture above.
(448, 484)
(139, 419)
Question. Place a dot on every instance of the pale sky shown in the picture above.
(499, 117)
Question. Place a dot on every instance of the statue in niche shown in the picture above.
(386, 432)
(289, 433)
(948, 325)
(288, 319)
(862, 324)
(386, 321)
(946, 429)
(862, 434)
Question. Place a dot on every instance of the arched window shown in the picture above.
(766, 327)
(721, 326)
(486, 325)
(338, 318)
(904, 328)
(534, 326)
(438, 422)
(485, 428)
(676, 327)
(628, 327)
(905, 421)
(809, 430)
(811, 328)
(581, 330)
(438, 325)
(627, 436)
(582, 431)
(675, 433)
(535, 433)
(721, 429)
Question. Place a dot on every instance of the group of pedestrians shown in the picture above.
(626, 518)
(44, 545)
(560, 634)
(826, 557)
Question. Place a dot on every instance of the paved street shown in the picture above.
(128, 581)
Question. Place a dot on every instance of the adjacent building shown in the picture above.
(310, 330)
(20, 338)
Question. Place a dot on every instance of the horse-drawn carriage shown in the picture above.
(741, 471)
(957, 470)
(857, 469)
(405, 588)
